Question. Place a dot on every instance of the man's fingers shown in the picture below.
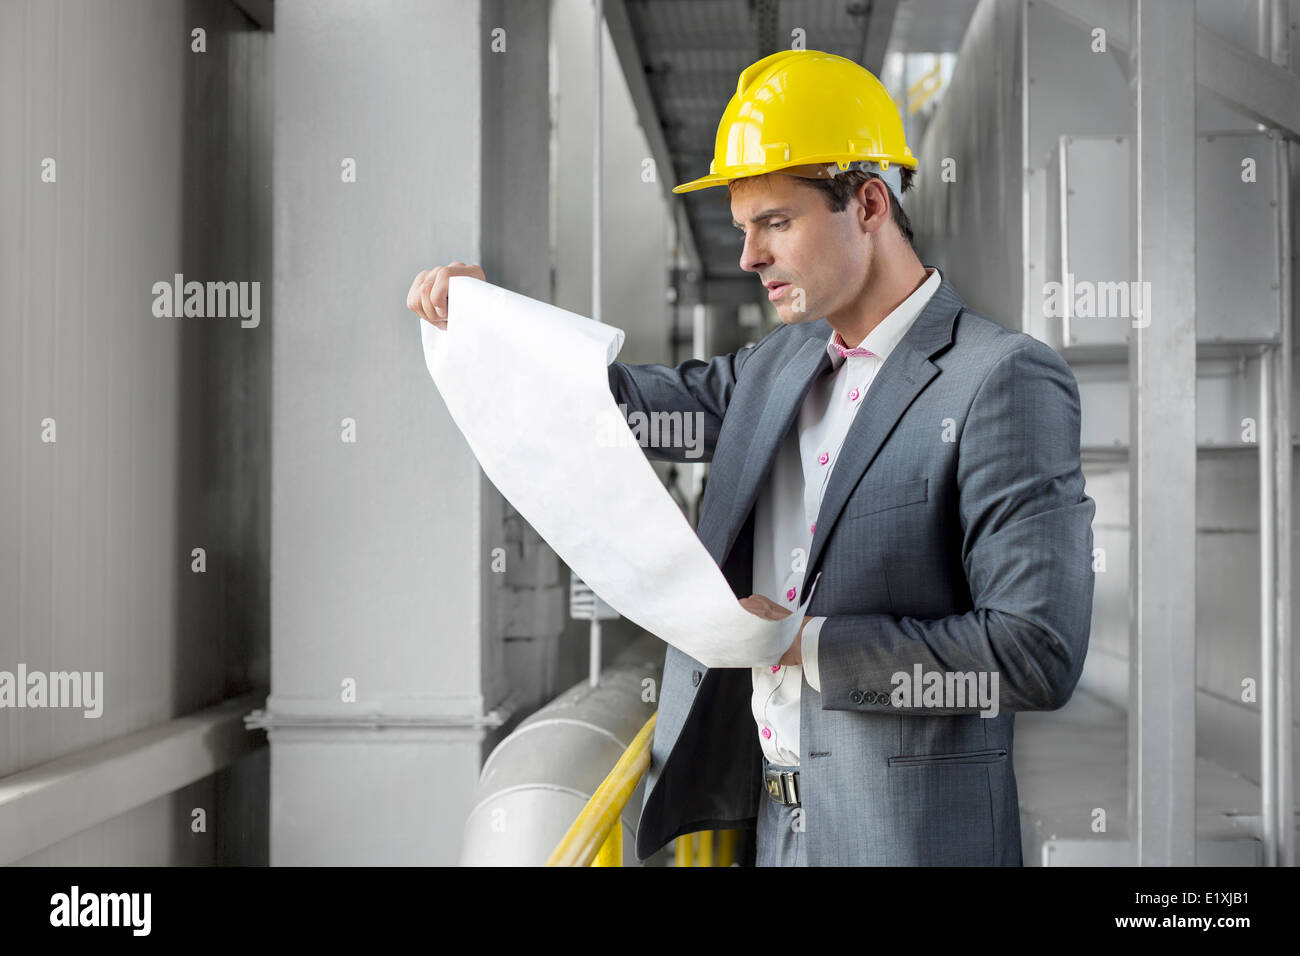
(764, 607)
(426, 293)
(413, 294)
(427, 297)
(438, 293)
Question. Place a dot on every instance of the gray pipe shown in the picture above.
(539, 778)
(1267, 614)
(1281, 56)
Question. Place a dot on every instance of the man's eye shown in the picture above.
(772, 224)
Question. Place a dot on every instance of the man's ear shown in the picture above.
(869, 200)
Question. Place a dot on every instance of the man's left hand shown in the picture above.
(793, 657)
(764, 606)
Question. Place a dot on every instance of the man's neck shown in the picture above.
(884, 293)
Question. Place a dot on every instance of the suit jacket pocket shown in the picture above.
(868, 501)
(970, 756)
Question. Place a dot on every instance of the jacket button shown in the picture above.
(856, 697)
(695, 678)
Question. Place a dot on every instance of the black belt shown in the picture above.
(782, 785)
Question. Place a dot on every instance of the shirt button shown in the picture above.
(853, 395)
(775, 668)
(789, 595)
(767, 733)
(823, 458)
(813, 527)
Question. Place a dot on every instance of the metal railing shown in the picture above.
(596, 836)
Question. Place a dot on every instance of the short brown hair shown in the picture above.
(839, 190)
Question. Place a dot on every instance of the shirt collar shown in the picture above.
(884, 337)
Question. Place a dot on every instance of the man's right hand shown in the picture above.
(428, 295)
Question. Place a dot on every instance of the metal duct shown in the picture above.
(538, 779)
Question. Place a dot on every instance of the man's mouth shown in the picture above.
(776, 290)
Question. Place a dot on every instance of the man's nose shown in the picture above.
(752, 256)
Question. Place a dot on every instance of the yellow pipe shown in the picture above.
(603, 812)
(611, 851)
(926, 79)
(684, 848)
(704, 848)
(924, 89)
(727, 848)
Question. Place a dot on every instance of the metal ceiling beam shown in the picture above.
(766, 15)
(1246, 81)
(1263, 91)
(880, 26)
(629, 58)
(261, 12)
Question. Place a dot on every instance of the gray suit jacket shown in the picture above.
(954, 534)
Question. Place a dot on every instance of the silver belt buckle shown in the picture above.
(782, 785)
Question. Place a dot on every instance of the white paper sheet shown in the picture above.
(527, 384)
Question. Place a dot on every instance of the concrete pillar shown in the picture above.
(383, 525)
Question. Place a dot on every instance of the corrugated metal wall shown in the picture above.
(161, 424)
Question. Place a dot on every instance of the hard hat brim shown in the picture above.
(704, 182)
(804, 169)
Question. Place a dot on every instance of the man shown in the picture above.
(898, 465)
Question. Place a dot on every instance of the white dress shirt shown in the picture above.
(788, 505)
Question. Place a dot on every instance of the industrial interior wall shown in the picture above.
(990, 229)
(967, 202)
(132, 438)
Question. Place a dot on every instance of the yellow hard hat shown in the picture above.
(802, 107)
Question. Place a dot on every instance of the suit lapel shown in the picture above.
(783, 401)
(901, 378)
